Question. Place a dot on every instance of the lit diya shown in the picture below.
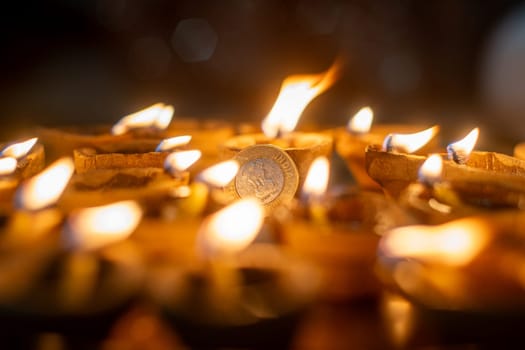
(148, 185)
(351, 142)
(273, 165)
(461, 276)
(339, 233)
(240, 294)
(77, 285)
(136, 133)
(483, 179)
(167, 235)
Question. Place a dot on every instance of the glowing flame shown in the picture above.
(316, 180)
(361, 121)
(221, 174)
(93, 228)
(157, 116)
(173, 142)
(231, 229)
(409, 143)
(181, 160)
(431, 169)
(46, 188)
(296, 92)
(400, 316)
(453, 243)
(20, 149)
(7, 165)
(460, 151)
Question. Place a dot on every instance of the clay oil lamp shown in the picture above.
(351, 142)
(239, 294)
(279, 157)
(338, 231)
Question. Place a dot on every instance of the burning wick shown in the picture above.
(20, 149)
(172, 143)
(96, 227)
(7, 166)
(297, 91)
(219, 175)
(231, 229)
(179, 161)
(157, 116)
(430, 172)
(409, 143)
(460, 151)
(314, 188)
(361, 122)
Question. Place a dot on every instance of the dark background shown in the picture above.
(456, 63)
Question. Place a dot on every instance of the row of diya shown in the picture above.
(66, 265)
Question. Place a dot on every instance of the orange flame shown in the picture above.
(181, 160)
(297, 91)
(460, 150)
(316, 180)
(361, 122)
(7, 166)
(173, 142)
(431, 169)
(46, 188)
(231, 229)
(219, 175)
(20, 149)
(96, 227)
(157, 116)
(454, 243)
(409, 143)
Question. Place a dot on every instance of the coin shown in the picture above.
(267, 173)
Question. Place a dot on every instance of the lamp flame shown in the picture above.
(459, 151)
(454, 243)
(361, 122)
(431, 169)
(297, 91)
(231, 229)
(409, 143)
(181, 160)
(221, 174)
(20, 149)
(7, 165)
(157, 116)
(173, 142)
(316, 180)
(46, 188)
(96, 227)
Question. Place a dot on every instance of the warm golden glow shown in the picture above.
(453, 243)
(157, 116)
(399, 313)
(316, 180)
(45, 189)
(221, 174)
(231, 229)
(297, 91)
(93, 228)
(20, 149)
(7, 165)
(460, 150)
(181, 160)
(408, 143)
(361, 122)
(173, 142)
(431, 169)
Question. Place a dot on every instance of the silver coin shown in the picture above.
(266, 172)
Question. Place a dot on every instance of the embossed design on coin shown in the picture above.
(267, 173)
(260, 177)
